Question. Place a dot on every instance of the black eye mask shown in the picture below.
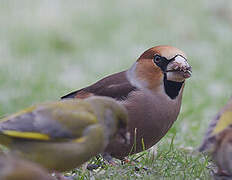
(171, 88)
(163, 62)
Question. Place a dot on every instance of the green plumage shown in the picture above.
(15, 168)
(62, 135)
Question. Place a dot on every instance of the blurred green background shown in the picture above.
(49, 48)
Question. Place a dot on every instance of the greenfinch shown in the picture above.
(15, 168)
(218, 140)
(62, 135)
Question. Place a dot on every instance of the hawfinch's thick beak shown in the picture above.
(178, 69)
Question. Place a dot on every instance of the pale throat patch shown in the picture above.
(131, 76)
(140, 84)
(173, 76)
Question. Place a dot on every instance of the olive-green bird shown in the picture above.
(221, 121)
(218, 140)
(62, 135)
(15, 168)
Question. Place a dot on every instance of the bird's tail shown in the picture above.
(5, 140)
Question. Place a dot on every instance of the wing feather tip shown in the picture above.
(26, 135)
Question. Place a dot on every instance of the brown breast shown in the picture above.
(150, 117)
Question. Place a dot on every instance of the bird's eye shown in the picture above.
(157, 58)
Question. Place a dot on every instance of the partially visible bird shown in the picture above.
(15, 168)
(218, 140)
(62, 135)
(151, 91)
(222, 153)
(220, 122)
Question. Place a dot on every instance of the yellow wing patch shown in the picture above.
(27, 110)
(86, 115)
(224, 121)
(26, 135)
(79, 140)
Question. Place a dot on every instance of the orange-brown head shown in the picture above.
(160, 67)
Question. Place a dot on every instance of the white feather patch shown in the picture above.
(131, 76)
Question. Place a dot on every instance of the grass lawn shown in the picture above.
(49, 48)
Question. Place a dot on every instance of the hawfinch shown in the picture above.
(151, 91)
(15, 168)
(62, 135)
(218, 140)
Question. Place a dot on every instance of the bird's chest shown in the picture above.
(148, 109)
(151, 116)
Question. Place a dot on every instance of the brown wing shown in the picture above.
(116, 86)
